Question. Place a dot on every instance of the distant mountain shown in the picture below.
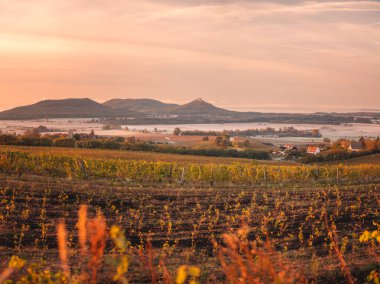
(147, 111)
(200, 107)
(87, 108)
(67, 108)
(139, 105)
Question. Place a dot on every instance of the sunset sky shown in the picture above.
(255, 55)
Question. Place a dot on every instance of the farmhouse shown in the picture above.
(355, 147)
(314, 150)
(288, 147)
(345, 144)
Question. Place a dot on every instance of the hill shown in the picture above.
(200, 107)
(66, 108)
(139, 105)
(87, 108)
(149, 111)
(196, 107)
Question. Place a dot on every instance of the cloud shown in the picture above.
(290, 51)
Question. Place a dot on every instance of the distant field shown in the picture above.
(372, 159)
(135, 155)
(197, 141)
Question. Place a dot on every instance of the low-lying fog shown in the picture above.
(351, 131)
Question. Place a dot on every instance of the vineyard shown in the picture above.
(187, 222)
(132, 171)
(127, 155)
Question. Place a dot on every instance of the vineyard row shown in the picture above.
(13, 162)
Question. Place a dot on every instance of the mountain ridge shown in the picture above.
(139, 105)
(63, 108)
(201, 107)
(148, 111)
(87, 108)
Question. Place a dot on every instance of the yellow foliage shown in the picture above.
(118, 237)
(184, 272)
(16, 262)
(374, 277)
(121, 268)
(366, 236)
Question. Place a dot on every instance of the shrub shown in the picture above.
(65, 142)
(6, 139)
(36, 141)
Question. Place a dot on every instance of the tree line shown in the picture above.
(269, 131)
(121, 143)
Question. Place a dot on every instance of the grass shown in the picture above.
(372, 159)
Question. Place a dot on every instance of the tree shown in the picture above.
(218, 140)
(362, 141)
(7, 139)
(223, 140)
(65, 142)
(177, 131)
(77, 136)
(315, 133)
(246, 143)
(371, 145)
(132, 140)
(32, 133)
(92, 133)
(120, 139)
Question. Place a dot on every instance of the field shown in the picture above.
(372, 159)
(130, 155)
(136, 155)
(174, 212)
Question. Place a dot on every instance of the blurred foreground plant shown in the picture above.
(372, 238)
(244, 261)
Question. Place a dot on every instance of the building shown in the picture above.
(355, 147)
(313, 150)
(290, 147)
(345, 144)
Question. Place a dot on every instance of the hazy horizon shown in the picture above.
(262, 108)
(293, 56)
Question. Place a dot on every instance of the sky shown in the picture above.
(243, 55)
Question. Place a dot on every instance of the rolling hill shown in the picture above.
(139, 105)
(149, 111)
(200, 107)
(66, 108)
(196, 107)
(87, 108)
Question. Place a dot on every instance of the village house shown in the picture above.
(345, 144)
(313, 150)
(355, 147)
(288, 147)
(352, 146)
